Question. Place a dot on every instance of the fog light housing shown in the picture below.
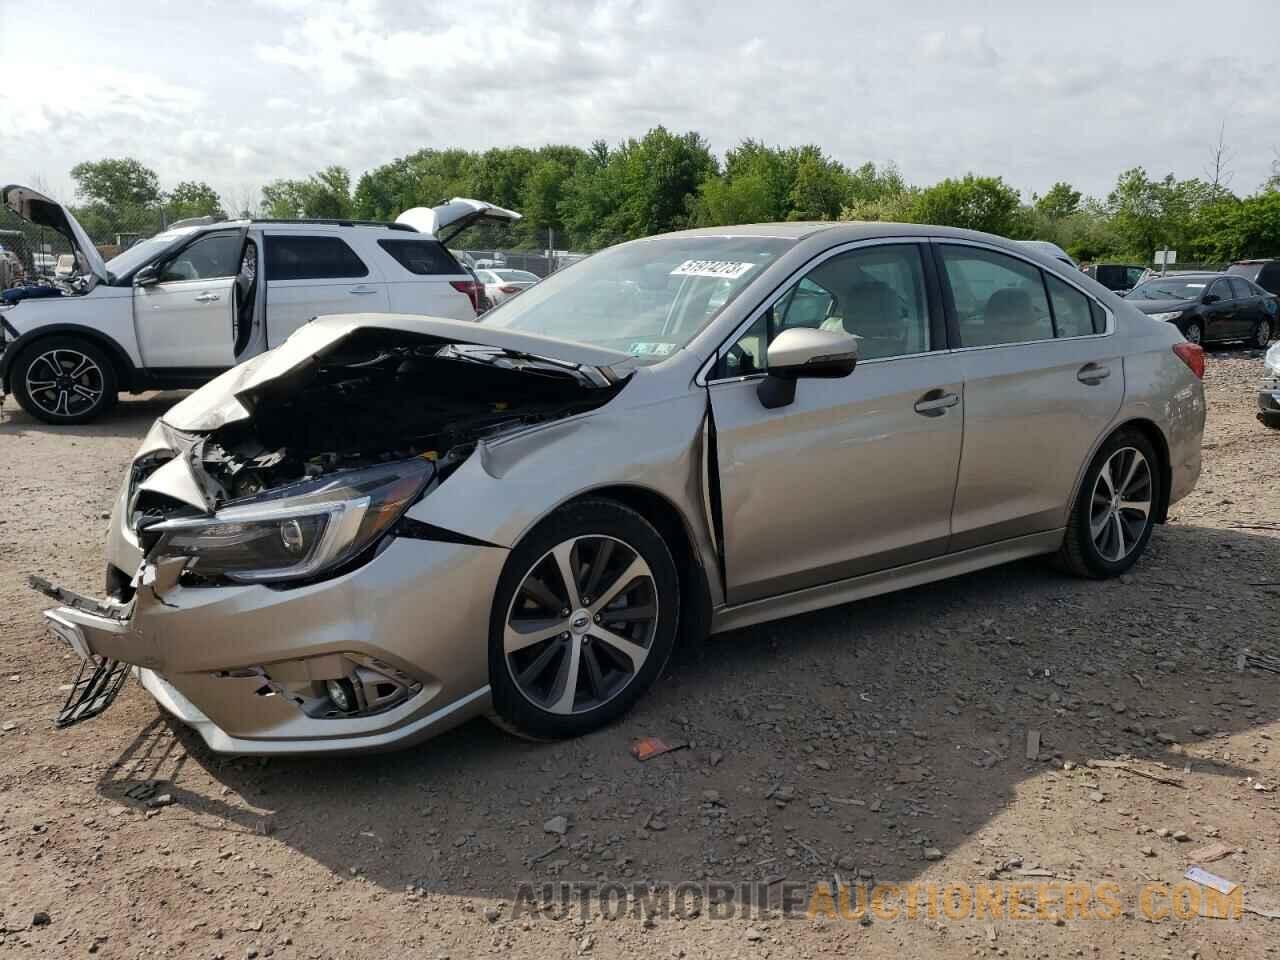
(341, 694)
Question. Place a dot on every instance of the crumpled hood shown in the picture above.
(222, 400)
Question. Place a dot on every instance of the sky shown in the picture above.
(240, 93)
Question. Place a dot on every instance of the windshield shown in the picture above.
(1169, 289)
(648, 298)
(519, 276)
(129, 260)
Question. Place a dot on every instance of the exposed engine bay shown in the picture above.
(377, 396)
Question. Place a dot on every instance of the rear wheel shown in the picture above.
(584, 620)
(1262, 333)
(1112, 518)
(64, 380)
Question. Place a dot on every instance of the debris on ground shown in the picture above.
(647, 748)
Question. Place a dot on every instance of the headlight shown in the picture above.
(1166, 316)
(296, 531)
(1272, 360)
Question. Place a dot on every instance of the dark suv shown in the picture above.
(1265, 273)
(1120, 277)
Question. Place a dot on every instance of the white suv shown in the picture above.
(178, 309)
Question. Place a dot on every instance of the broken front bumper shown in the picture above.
(242, 664)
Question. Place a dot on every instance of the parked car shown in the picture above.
(1265, 273)
(177, 309)
(1118, 277)
(1210, 307)
(1269, 391)
(389, 524)
(501, 284)
(1051, 250)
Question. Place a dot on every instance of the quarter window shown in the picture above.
(208, 258)
(1071, 317)
(422, 257)
(998, 299)
(311, 258)
(875, 293)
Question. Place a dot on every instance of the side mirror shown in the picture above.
(146, 276)
(1210, 298)
(803, 352)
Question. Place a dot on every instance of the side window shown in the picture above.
(206, 259)
(875, 293)
(998, 298)
(1071, 316)
(1134, 276)
(1222, 290)
(423, 257)
(311, 258)
(1240, 289)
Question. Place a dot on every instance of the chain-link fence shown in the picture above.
(536, 263)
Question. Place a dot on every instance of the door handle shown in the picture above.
(935, 403)
(207, 298)
(362, 291)
(1093, 374)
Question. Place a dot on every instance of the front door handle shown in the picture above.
(935, 403)
(362, 290)
(207, 298)
(1093, 374)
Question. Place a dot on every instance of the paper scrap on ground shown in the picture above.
(1212, 880)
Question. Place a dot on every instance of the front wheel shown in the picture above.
(1193, 333)
(583, 621)
(1112, 517)
(64, 380)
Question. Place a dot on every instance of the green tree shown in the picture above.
(191, 198)
(117, 184)
(326, 194)
(977, 203)
(1060, 201)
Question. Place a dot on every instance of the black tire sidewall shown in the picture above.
(1099, 565)
(581, 518)
(1187, 331)
(18, 378)
(1257, 340)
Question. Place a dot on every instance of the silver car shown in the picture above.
(390, 524)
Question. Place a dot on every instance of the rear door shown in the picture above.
(187, 319)
(315, 275)
(1043, 378)
(1249, 305)
(1222, 316)
(423, 277)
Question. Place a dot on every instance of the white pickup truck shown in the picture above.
(177, 309)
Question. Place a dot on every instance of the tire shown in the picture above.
(1262, 333)
(1100, 540)
(1194, 333)
(529, 682)
(1270, 420)
(81, 375)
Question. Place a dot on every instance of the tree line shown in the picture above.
(586, 199)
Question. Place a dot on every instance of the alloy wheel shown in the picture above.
(581, 624)
(1262, 336)
(64, 383)
(1121, 505)
(1193, 333)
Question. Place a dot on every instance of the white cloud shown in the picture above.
(1035, 94)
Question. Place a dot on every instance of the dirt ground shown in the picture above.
(884, 741)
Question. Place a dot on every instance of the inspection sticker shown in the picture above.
(721, 269)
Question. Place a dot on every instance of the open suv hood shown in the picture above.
(450, 219)
(231, 396)
(34, 207)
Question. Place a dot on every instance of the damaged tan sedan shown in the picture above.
(390, 524)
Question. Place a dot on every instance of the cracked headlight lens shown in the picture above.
(1173, 315)
(296, 531)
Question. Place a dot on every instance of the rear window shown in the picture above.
(311, 258)
(423, 257)
(1249, 271)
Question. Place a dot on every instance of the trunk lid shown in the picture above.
(230, 397)
(34, 207)
(450, 219)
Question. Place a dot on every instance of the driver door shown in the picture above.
(857, 474)
(186, 320)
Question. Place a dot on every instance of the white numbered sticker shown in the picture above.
(720, 269)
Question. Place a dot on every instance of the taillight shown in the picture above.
(509, 289)
(470, 288)
(1192, 354)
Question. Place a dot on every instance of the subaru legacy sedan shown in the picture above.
(390, 524)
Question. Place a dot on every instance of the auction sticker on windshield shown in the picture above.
(720, 269)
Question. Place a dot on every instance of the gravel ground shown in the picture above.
(885, 740)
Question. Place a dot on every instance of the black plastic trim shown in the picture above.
(412, 529)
